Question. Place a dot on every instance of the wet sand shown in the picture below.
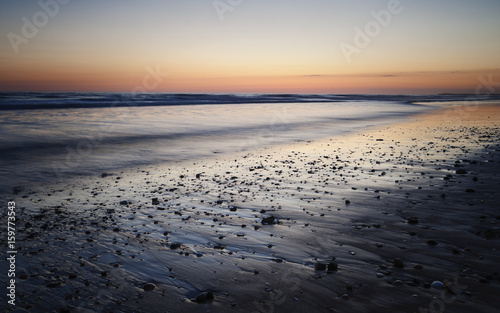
(393, 219)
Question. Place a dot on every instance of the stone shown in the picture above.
(320, 266)
(437, 284)
(345, 296)
(205, 297)
(268, 220)
(174, 246)
(332, 267)
(413, 220)
(149, 287)
(398, 263)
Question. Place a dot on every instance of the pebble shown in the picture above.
(432, 242)
(345, 296)
(175, 246)
(149, 287)
(418, 266)
(205, 297)
(380, 275)
(319, 266)
(413, 220)
(397, 283)
(398, 263)
(437, 284)
(332, 267)
(268, 220)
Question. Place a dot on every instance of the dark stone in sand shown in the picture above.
(53, 284)
(345, 296)
(398, 263)
(233, 209)
(319, 266)
(490, 233)
(103, 175)
(347, 202)
(461, 171)
(116, 229)
(73, 276)
(332, 267)
(219, 247)
(469, 190)
(413, 220)
(124, 202)
(418, 266)
(149, 287)
(432, 242)
(268, 220)
(155, 201)
(205, 297)
(174, 246)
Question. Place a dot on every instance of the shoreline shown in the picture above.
(396, 208)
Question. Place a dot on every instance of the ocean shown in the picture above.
(45, 137)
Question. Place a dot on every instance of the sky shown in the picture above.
(250, 46)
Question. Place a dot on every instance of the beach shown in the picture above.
(392, 218)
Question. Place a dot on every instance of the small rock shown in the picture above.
(205, 297)
(319, 266)
(397, 283)
(332, 267)
(418, 266)
(149, 287)
(174, 246)
(470, 190)
(437, 284)
(347, 202)
(432, 242)
(413, 220)
(124, 202)
(380, 275)
(345, 296)
(461, 171)
(155, 201)
(398, 263)
(54, 284)
(268, 220)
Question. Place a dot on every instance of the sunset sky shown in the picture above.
(293, 46)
